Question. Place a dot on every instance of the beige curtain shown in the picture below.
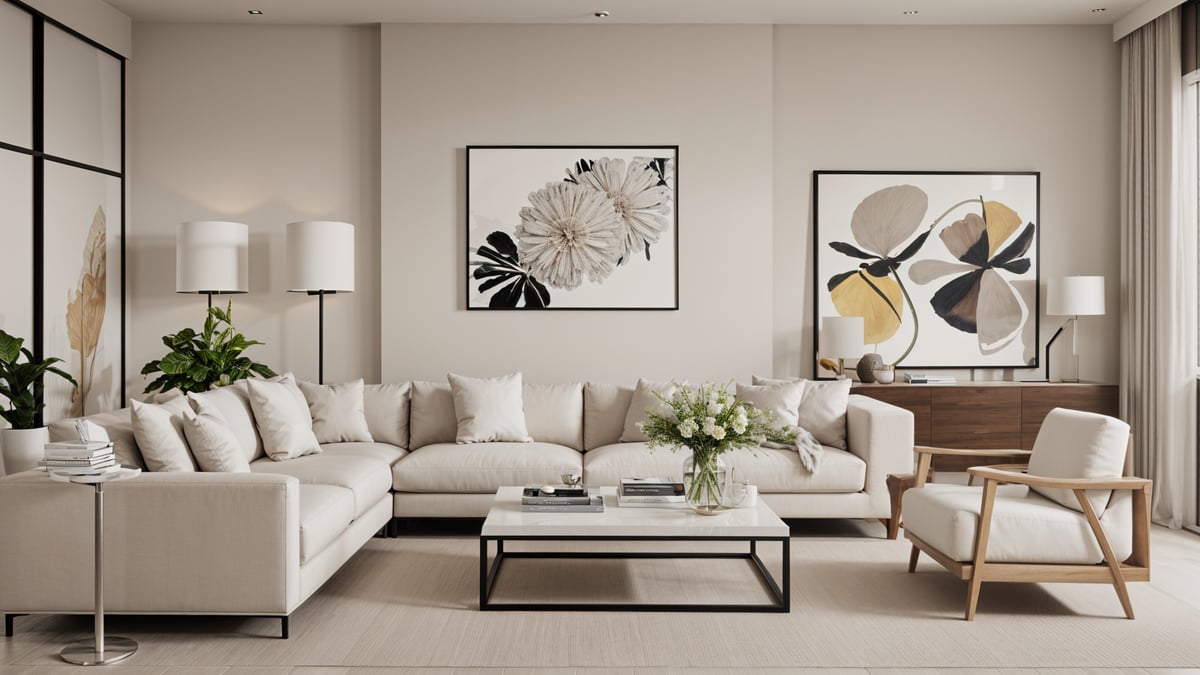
(1158, 269)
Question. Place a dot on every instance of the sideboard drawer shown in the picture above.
(976, 417)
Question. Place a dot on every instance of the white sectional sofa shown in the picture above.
(261, 543)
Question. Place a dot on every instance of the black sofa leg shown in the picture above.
(283, 627)
(8, 623)
(393, 528)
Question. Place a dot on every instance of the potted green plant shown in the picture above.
(21, 382)
(199, 361)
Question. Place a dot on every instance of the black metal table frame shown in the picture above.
(780, 592)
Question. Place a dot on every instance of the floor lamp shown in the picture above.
(1073, 297)
(212, 257)
(320, 262)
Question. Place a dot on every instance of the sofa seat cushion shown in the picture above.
(482, 467)
(771, 470)
(325, 512)
(1026, 527)
(384, 452)
(368, 478)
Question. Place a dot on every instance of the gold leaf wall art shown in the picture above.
(85, 308)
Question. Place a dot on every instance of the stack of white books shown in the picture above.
(649, 492)
(80, 458)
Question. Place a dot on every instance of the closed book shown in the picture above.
(665, 490)
(595, 505)
(551, 501)
(77, 450)
(84, 470)
(627, 502)
(79, 461)
(650, 499)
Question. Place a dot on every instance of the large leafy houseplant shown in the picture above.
(21, 382)
(198, 361)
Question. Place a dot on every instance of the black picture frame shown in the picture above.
(501, 181)
(942, 307)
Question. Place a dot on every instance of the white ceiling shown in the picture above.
(630, 11)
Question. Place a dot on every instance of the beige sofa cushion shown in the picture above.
(158, 429)
(482, 467)
(823, 409)
(383, 452)
(281, 413)
(337, 411)
(1077, 444)
(386, 410)
(233, 403)
(645, 397)
(770, 469)
(368, 478)
(554, 413)
(433, 419)
(488, 409)
(325, 512)
(604, 409)
(1026, 527)
(119, 426)
(213, 445)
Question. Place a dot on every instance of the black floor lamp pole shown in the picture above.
(321, 337)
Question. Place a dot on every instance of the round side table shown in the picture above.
(100, 650)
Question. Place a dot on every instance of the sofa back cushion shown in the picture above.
(158, 429)
(554, 413)
(432, 419)
(337, 411)
(283, 418)
(604, 410)
(118, 425)
(386, 408)
(232, 402)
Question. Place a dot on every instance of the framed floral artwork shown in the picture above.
(572, 227)
(942, 266)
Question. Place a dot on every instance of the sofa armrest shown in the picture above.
(173, 542)
(882, 435)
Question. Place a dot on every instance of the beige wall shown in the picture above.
(271, 124)
(1014, 98)
(705, 88)
(96, 19)
(260, 125)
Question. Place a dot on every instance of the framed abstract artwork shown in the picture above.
(942, 266)
(572, 227)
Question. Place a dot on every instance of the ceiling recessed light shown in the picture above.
(1099, 10)
(911, 12)
(600, 14)
(255, 12)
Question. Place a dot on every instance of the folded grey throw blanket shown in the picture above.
(810, 450)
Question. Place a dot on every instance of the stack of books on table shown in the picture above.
(80, 458)
(649, 492)
(926, 378)
(561, 499)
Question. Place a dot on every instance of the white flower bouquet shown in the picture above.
(710, 421)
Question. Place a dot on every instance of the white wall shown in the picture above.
(96, 19)
(260, 125)
(1007, 98)
(705, 88)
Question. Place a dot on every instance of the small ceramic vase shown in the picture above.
(867, 366)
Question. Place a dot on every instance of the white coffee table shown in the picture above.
(506, 522)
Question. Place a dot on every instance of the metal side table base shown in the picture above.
(84, 652)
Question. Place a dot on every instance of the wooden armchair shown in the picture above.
(1070, 518)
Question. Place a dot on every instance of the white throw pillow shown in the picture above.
(782, 399)
(644, 398)
(489, 408)
(283, 419)
(1077, 444)
(213, 444)
(823, 409)
(386, 408)
(232, 403)
(337, 412)
(159, 433)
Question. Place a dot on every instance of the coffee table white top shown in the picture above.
(506, 519)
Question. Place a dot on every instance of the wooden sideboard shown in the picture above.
(984, 415)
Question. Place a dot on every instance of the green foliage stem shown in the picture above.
(198, 361)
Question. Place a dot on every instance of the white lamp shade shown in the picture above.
(843, 337)
(1075, 296)
(212, 256)
(320, 256)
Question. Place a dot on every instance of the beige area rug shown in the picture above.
(413, 602)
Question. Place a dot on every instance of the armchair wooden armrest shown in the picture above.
(926, 453)
(1003, 474)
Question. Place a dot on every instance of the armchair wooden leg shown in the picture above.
(912, 559)
(981, 541)
(1114, 565)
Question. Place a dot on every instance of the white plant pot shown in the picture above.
(22, 449)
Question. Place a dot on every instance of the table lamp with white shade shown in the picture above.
(212, 257)
(320, 262)
(842, 337)
(1073, 297)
